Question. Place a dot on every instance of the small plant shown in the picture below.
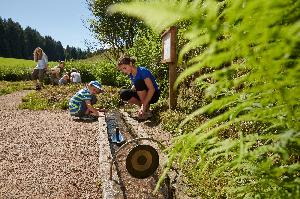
(10, 87)
(33, 101)
(102, 70)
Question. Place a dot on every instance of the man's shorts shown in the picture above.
(38, 74)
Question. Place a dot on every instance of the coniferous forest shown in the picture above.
(17, 42)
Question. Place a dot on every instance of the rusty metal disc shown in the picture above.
(142, 161)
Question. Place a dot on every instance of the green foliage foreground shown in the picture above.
(252, 48)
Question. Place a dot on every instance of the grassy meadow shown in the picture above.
(15, 75)
(12, 69)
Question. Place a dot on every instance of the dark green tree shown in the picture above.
(32, 40)
(59, 49)
(3, 47)
(15, 38)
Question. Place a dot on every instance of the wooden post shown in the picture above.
(169, 39)
(172, 92)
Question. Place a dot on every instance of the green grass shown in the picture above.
(57, 97)
(10, 87)
(12, 69)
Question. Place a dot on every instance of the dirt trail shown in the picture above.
(45, 154)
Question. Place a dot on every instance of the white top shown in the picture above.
(42, 63)
(75, 77)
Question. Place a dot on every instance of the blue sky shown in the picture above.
(60, 19)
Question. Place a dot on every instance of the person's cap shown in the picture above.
(96, 84)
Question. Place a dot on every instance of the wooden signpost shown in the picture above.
(169, 56)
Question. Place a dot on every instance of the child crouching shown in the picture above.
(81, 104)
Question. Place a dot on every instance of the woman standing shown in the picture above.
(144, 91)
(42, 65)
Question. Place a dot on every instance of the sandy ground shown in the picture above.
(46, 154)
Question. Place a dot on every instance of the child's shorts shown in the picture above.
(38, 74)
(77, 111)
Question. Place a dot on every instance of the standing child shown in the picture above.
(144, 91)
(39, 71)
(81, 104)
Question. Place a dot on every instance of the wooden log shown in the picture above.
(109, 179)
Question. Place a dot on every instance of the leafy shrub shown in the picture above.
(101, 70)
(57, 97)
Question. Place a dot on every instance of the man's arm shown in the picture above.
(146, 100)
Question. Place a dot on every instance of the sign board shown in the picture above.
(169, 45)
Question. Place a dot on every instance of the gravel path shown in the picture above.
(44, 154)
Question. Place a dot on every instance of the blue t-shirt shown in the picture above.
(142, 74)
(76, 102)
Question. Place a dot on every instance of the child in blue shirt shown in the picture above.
(81, 104)
(144, 91)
